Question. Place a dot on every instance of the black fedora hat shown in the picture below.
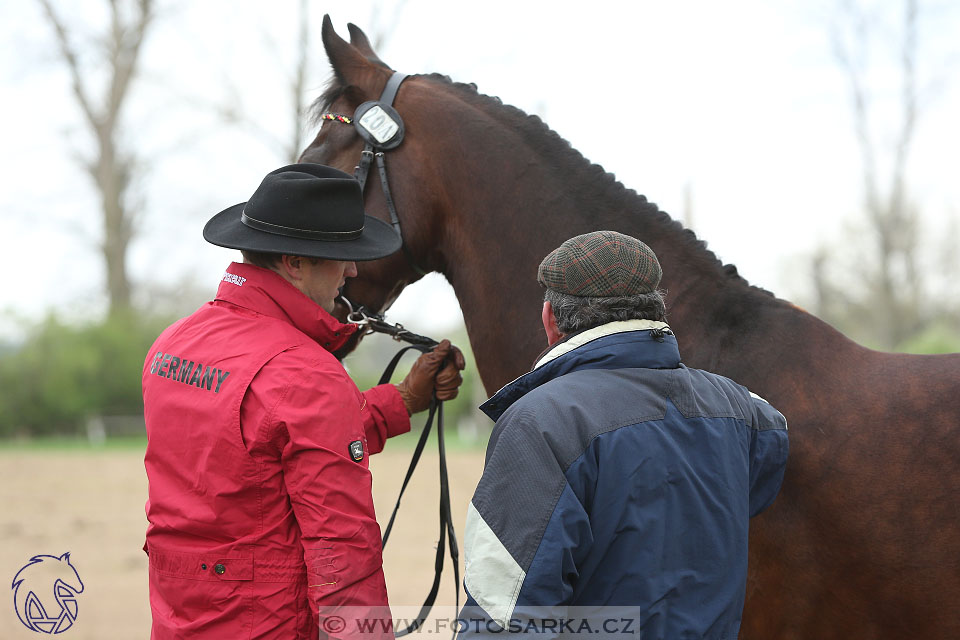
(304, 210)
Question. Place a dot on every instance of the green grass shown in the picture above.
(451, 439)
(139, 442)
(72, 443)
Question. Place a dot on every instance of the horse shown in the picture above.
(863, 540)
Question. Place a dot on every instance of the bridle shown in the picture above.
(381, 128)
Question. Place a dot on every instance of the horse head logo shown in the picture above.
(45, 593)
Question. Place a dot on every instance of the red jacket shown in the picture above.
(260, 504)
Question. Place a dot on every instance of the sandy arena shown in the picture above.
(90, 503)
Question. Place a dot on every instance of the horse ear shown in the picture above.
(65, 556)
(347, 60)
(359, 39)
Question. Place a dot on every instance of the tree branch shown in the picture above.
(299, 83)
(126, 51)
(73, 65)
(860, 101)
(908, 103)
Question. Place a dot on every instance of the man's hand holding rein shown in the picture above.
(436, 371)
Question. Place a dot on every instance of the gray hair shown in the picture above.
(576, 313)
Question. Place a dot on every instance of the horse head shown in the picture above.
(482, 191)
(360, 76)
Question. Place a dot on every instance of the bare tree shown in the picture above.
(291, 143)
(882, 296)
(111, 166)
(299, 84)
(382, 22)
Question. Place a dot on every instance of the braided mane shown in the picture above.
(537, 134)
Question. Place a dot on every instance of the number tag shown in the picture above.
(379, 123)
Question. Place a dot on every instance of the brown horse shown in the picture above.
(864, 539)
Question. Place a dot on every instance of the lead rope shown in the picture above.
(376, 323)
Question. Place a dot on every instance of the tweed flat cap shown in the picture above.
(600, 264)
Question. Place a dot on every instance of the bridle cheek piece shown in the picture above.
(381, 128)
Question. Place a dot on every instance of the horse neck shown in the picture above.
(502, 217)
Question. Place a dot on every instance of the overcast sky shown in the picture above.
(741, 105)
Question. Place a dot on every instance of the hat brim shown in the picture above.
(226, 230)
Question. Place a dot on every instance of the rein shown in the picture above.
(375, 323)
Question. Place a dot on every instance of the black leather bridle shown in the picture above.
(381, 128)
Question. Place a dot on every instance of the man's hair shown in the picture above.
(261, 258)
(577, 313)
(268, 260)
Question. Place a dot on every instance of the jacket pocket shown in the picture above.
(185, 608)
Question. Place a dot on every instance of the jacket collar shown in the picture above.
(616, 345)
(266, 292)
(575, 340)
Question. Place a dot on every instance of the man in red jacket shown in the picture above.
(260, 509)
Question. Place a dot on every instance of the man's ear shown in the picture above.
(550, 324)
(291, 267)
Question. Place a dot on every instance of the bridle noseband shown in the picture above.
(381, 128)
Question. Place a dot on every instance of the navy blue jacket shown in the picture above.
(619, 482)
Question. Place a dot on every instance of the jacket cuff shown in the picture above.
(385, 415)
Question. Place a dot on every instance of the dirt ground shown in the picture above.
(90, 503)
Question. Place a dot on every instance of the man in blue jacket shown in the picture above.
(618, 483)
